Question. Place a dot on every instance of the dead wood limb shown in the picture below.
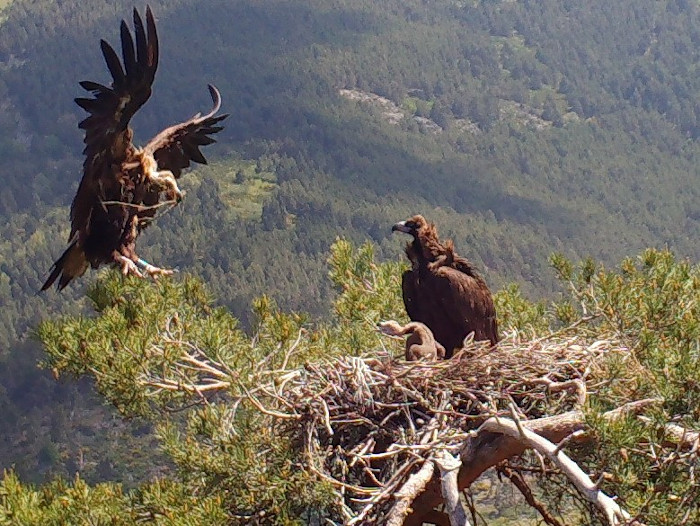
(683, 437)
(615, 515)
(632, 408)
(405, 497)
(486, 448)
(449, 469)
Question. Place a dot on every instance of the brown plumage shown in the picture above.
(420, 344)
(123, 186)
(443, 290)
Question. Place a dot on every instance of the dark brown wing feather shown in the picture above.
(175, 147)
(111, 108)
(467, 304)
(409, 288)
(452, 304)
(107, 143)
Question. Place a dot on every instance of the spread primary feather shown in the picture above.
(122, 185)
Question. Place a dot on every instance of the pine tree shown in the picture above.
(254, 426)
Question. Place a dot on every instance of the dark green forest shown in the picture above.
(520, 128)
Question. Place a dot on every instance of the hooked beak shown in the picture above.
(401, 227)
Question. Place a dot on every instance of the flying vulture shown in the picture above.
(122, 185)
(420, 344)
(443, 290)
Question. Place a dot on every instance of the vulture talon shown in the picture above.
(129, 267)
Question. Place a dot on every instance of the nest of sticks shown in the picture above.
(368, 425)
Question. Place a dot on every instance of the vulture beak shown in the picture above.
(401, 227)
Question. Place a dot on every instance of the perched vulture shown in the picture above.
(122, 185)
(420, 344)
(443, 290)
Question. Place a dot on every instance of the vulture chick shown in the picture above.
(420, 344)
(122, 185)
(443, 290)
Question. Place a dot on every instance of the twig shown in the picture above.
(519, 482)
(139, 207)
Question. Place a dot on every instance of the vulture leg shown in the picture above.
(152, 270)
(141, 268)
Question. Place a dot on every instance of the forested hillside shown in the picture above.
(521, 128)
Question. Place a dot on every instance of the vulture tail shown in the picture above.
(70, 265)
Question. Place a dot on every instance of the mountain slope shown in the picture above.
(521, 128)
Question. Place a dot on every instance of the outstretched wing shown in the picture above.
(175, 147)
(107, 137)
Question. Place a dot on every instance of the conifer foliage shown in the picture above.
(303, 421)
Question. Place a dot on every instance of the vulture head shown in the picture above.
(411, 226)
(426, 247)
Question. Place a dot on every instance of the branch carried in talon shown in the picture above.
(165, 180)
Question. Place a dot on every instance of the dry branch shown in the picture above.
(449, 468)
(513, 428)
(409, 491)
(676, 434)
(519, 482)
(485, 449)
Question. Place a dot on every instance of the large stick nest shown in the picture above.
(368, 424)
